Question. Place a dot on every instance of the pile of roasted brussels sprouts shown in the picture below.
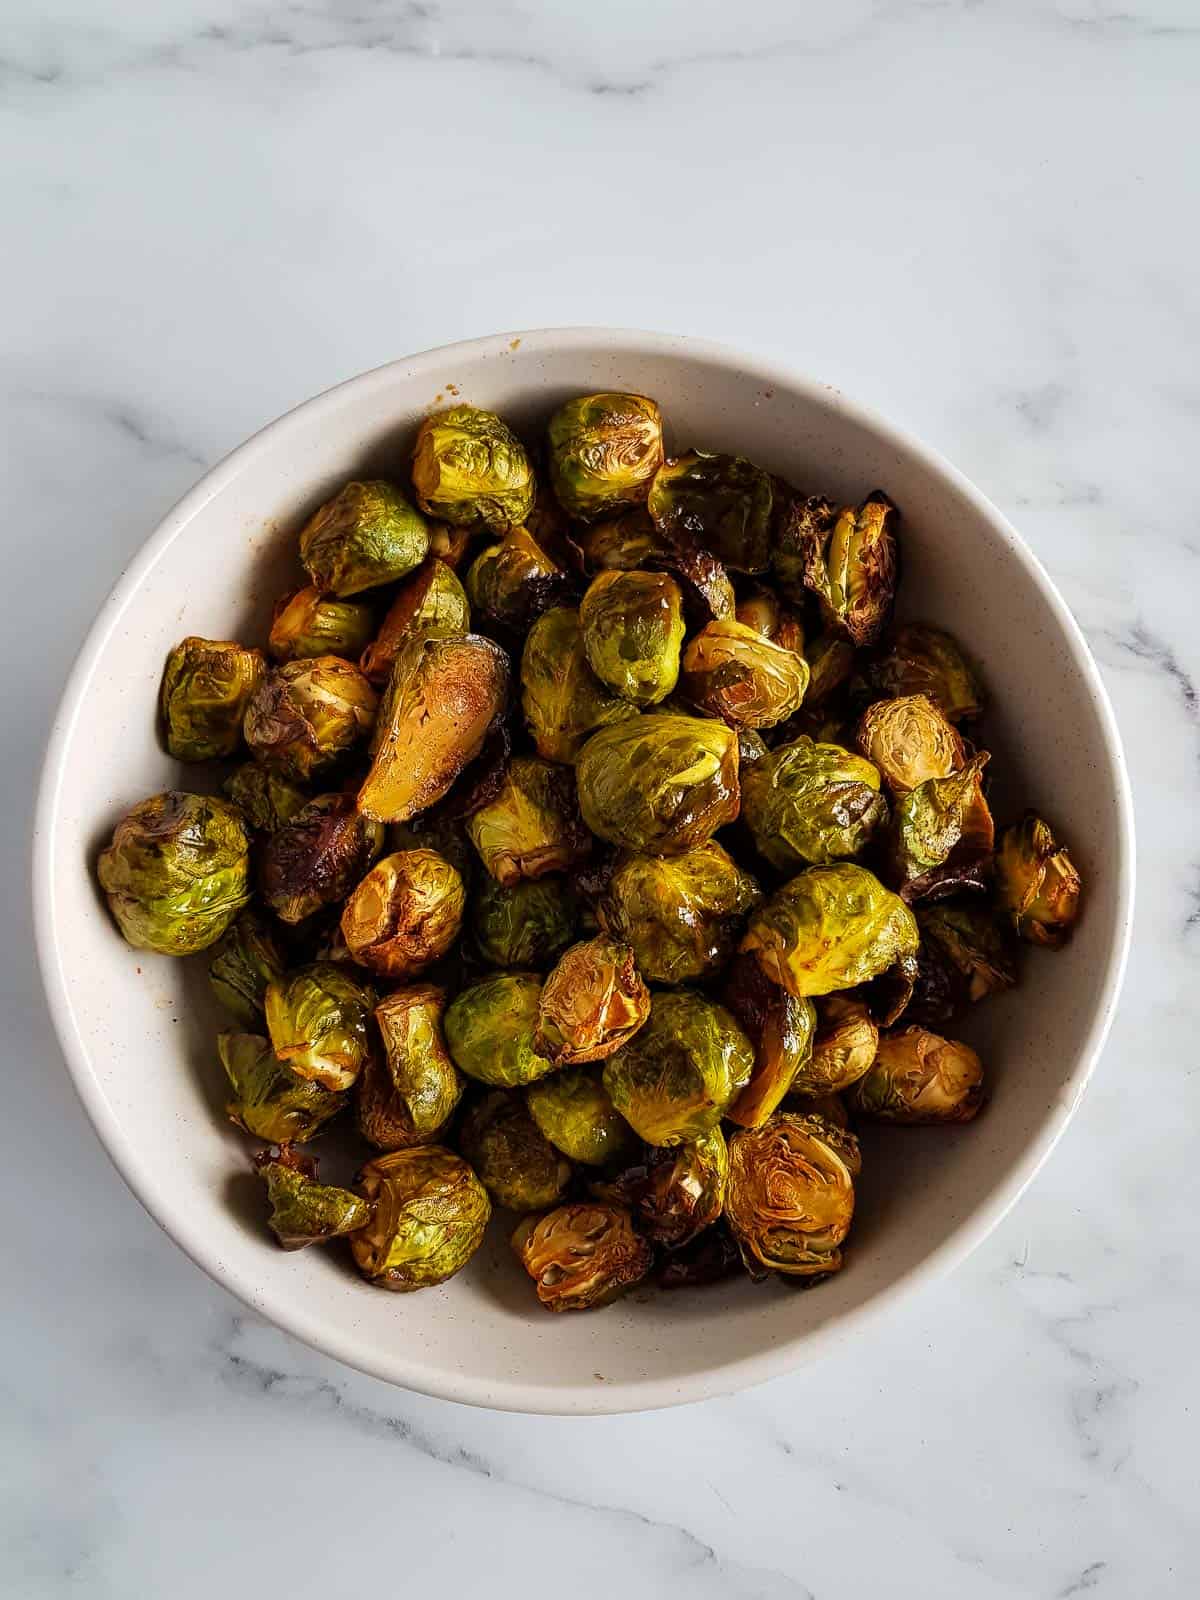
(595, 841)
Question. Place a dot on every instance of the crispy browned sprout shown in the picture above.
(683, 915)
(680, 1073)
(490, 1028)
(582, 1256)
(942, 836)
(307, 624)
(620, 543)
(790, 1199)
(806, 523)
(673, 1194)
(206, 686)
(405, 914)
(513, 1159)
(844, 1048)
(922, 659)
(592, 1003)
(266, 799)
(910, 741)
(368, 534)
(734, 673)
(243, 963)
(848, 561)
(1037, 884)
(603, 451)
(573, 1110)
(724, 503)
(780, 1027)
(660, 784)
(317, 1018)
(975, 942)
(513, 582)
(471, 470)
(527, 925)
(442, 701)
(917, 1077)
(430, 604)
(306, 714)
(269, 1101)
(760, 609)
(533, 825)
(316, 859)
(831, 661)
(632, 626)
(810, 803)
(562, 698)
(711, 1257)
(407, 1097)
(428, 1215)
(304, 1211)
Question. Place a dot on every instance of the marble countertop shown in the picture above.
(982, 219)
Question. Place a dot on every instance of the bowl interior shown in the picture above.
(138, 1029)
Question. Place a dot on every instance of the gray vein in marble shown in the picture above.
(1089, 1578)
(152, 437)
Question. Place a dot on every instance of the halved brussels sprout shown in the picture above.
(922, 659)
(471, 470)
(513, 582)
(366, 535)
(305, 714)
(513, 1159)
(673, 1194)
(632, 632)
(711, 1257)
(844, 1048)
(618, 544)
(659, 784)
(304, 1211)
(737, 674)
(910, 741)
(206, 686)
(943, 835)
(724, 503)
(407, 1098)
(316, 858)
(975, 943)
(428, 1216)
(848, 561)
(810, 804)
(533, 825)
(592, 1003)
(431, 604)
(582, 1256)
(573, 1110)
(317, 1018)
(1037, 884)
(405, 914)
(177, 872)
(243, 964)
(526, 925)
(830, 928)
(442, 701)
(265, 798)
(790, 1199)
(779, 1026)
(919, 1077)
(604, 450)
(308, 624)
(490, 1029)
(562, 699)
(683, 915)
(269, 1101)
(806, 524)
(679, 1074)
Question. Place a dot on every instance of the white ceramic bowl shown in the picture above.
(137, 1029)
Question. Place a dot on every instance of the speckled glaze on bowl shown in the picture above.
(136, 1030)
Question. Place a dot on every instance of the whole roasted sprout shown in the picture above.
(592, 1003)
(679, 1074)
(206, 685)
(244, 962)
(533, 825)
(317, 1018)
(428, 1216)
(711, 1257)
(761, 610)
(790, 1199)
(1037, 884)
(618, 544)
(366, 535)
(682, 915)
(848, 561)
(910, 741)
(405, 914)
(266, 799)
(470, 470)
(737, 674)
(780, 1027)
(269, 1101)
(562, 698)
(304, 1211)
(942, 836)
(529, 924)
(407, 1097)
(315, 859)
(177, 872)
(513, 582)
(974, 942)
(673, 1194)
(582, 1256)
(305, 714)
(724, 503)
(922, 659)
(918, 1077)
(574, 1112)
(844, 1048)
(810, 803)
(511, 1156)
(308, 624)
(603, 451)
(660, 784)
(632, 632)
(830, 928)
(431, 603)
(490, 1028)
(444, 697)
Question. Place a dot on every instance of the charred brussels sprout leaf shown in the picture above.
(471, 470)
(678, 1076)
(442, 701)
(683, 915)
(177, 872)
(910, 741)
(490, 1029)
(618, 544)
(849, 562)
(830, 928)
(304, 1211)
(269, 1101)
(431, 604)
(592, 1003)
(405, 914)
(306, 714)
(975, 943)
(942, 836)
(604, 449)
(317, 1018)
(780, 1027)
(533, 825)
(673, 1194)
(562, 699)
(582, 1256)
(922, 659)
(573, 1110)
(243, 964)
(724, 503)
(632, 632)
(711, 1257)
(1037, 883)
(918, 1077)
(790, 1199)
(206, 686)
(306, 624)
(806, 524)
(515, 1162)
(407, 1098)
(844, 1048)
(428, 1215)
(265, 798)
(315, 859)
(810, 803)
(366, 535)
(660, 784)
(513, 582)
(737, 674)
(527, 925)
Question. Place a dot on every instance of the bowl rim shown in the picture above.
(528, 1395)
